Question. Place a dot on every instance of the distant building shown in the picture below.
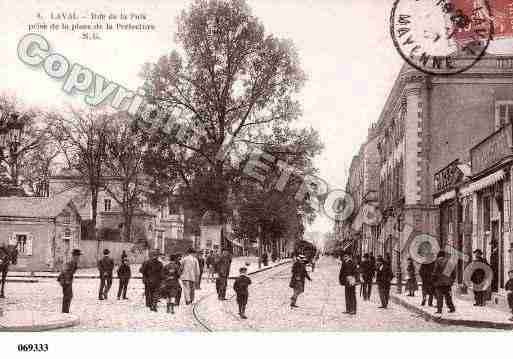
(45, 230)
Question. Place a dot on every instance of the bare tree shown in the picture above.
(82, 137)
(125, 152)
(21, 146)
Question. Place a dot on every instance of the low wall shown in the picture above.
(90, 252)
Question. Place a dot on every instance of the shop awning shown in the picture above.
(445, 197)
(483, 182)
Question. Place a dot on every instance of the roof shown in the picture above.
(33, 207)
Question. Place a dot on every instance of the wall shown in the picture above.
(89, 252)
(462, 115)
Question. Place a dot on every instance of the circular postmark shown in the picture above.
(441, 37)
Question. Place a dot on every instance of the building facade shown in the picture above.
(444, 145)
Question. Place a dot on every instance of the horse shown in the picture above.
(8, 255)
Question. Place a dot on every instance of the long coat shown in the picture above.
(299, 274)
(347, 269)
(223, 266)
(190, 268)
(384, 274)
(152, 272)
(426, 273)
(440, 278)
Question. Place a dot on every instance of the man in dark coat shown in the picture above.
(124, 274)
(65, 279)
(426, 274)
(347, 278)
(442, 281)
(105, 267)
(223, 272)
(297, 281)
(151, 271)
(201, 262)
(384, 276)
(367, 270)
(477, 277)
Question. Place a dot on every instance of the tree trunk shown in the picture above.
(94, 213)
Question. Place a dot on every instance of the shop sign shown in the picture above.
(448, 177)
(491, 150)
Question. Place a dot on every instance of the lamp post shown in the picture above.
(11, 128)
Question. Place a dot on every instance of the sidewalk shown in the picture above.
(35, 321)
(466, 314)
(92, 273)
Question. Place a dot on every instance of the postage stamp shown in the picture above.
(441, 37)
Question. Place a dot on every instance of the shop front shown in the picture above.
(451, 206)
(490, 191)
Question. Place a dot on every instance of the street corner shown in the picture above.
(35, 321)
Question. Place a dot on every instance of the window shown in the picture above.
(23, 244)
(503, 113)
(107, 205)
(486, 213)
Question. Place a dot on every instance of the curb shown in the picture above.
(64, 323)
(450, 321)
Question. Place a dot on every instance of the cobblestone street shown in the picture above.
(321, 307)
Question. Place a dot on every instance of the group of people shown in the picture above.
(161, 281)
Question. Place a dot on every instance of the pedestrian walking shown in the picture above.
(477, 278)
(201, 262)
(170, 288)
(65, 279)
(124, 255)
(223, 272)
(240, 286)
(347, 278)
(124, 275)
(367, 270)
(190, 274)
(297, 281)
(411, 282)
(210, 263)
(442, 282)
(426, 274)
(105, 267)
(384, 277)
(151, 271)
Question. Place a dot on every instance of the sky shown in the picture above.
(344, 46)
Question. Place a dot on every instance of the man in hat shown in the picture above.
(367, 269)
(151, 271)
(105, 267)
(478, 276)
(384, 276)
(190, 274)
(442, 281)
(347, 278)
(223, 265)
(297, 281)
(65, 279)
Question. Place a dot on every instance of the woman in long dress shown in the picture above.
(171, 288)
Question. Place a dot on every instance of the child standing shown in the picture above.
(171, 289)
(509, 288)
(241, 288)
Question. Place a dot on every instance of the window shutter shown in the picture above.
(28, 247)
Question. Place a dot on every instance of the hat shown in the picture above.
(243, 269)
(478, 251)
(106, 252)
(76, 252)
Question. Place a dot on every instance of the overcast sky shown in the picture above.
(344, 45)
